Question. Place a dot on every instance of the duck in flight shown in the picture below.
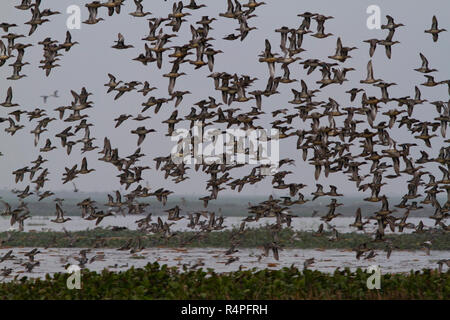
(120, 43)
(54, 95)
(8, 101)
(60, 215)
(424, 68)
(139, 10)
(434, 31)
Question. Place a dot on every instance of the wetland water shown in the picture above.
(53, 260)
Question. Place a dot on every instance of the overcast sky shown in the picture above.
(87, 65)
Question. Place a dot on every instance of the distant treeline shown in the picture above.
(228, 206)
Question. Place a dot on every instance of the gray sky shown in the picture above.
(87, 65)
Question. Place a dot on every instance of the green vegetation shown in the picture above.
(161, 282)
(251, 239)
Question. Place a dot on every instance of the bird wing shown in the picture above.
(424, 60)
(9, 95)
(369, 69)
(59, 212)
(434, 24)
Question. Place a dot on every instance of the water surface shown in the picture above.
(55, 259)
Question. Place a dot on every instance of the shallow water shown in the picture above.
(54, 259)
(43, 223)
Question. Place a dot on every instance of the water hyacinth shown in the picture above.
(161, 282)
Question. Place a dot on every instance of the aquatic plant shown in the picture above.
(161, 282)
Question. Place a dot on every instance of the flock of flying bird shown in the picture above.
(329, 147)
